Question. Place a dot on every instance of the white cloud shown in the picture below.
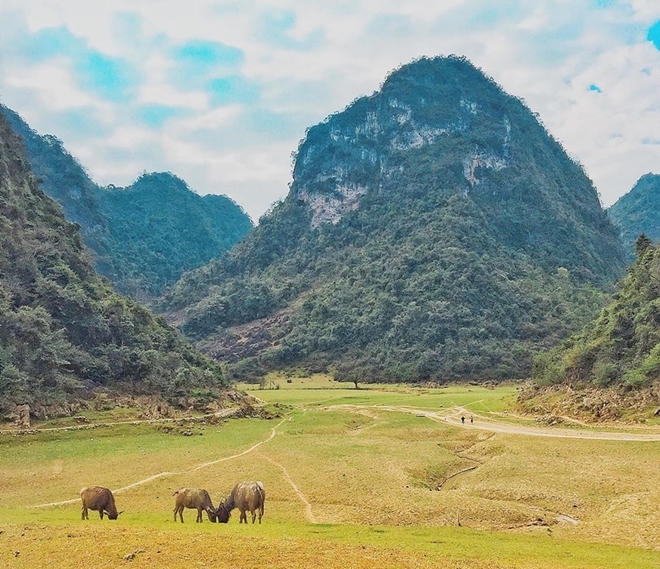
(162, 94)
(214, 119)
(53, 85)
(305, 60)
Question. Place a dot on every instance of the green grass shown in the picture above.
(322, 391)
(346, 478)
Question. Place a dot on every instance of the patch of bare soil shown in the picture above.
(561, 403)
(248, 339)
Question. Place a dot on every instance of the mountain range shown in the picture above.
(433, 231)
(143, 237)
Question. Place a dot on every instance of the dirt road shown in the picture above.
(453, 417)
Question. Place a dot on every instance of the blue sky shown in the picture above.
(221, 92)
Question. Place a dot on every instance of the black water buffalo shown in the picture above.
(100, 499)
(194, 498)
(246, 496)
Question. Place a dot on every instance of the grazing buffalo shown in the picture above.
(246, 496)
(100, 499)
(194, 498)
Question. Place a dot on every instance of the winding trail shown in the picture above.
(453, 417)
(172, 473)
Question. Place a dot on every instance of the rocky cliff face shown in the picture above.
(341, 160)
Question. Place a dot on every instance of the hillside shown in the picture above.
(158, 229)
(433, 230)
(638, 212)
(622, 346)
(142, 237)
(63, 330)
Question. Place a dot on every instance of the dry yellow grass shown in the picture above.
(100, 547)
(367, 482)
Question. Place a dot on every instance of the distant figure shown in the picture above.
(471, 419)
(463, 420)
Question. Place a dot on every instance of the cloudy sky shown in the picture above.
(221, 92)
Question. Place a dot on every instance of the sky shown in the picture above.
(221, 92)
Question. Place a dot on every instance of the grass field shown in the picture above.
(374, 477)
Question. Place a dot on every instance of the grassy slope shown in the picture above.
(366, 474)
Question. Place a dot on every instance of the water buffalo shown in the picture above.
(100, 499)
(246, 496)
(194, 498)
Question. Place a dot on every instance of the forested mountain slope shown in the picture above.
(63, 330)
(433, 230)
(158, 229)
(638, 212)
(622, 346)
(145, 236)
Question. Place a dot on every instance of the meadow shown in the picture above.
(381, 476)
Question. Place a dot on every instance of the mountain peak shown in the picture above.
(430, 106)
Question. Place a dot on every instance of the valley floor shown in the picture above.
(375, 477)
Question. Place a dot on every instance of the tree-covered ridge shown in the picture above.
(622, 346)
(159, 228)
(433, 230)
(638, 212)
(63, 330)
(142, 237)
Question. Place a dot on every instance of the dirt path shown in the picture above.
(172, 473)
(309, 514)
(448, 416)
(453, 417)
